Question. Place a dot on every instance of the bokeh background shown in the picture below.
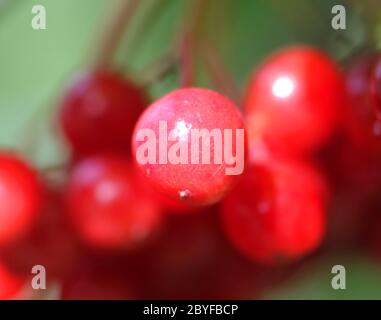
(35, 67)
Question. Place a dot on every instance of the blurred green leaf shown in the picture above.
(363, 280)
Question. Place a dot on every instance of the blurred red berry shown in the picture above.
(96, 280)
(190, 259)
(375, 86)
(49, 243)
(362, 125)
(10, 284)
(277, 212)
(20, 198)
(197, 182)
(106, 205)
(293, 99)
(352, 163)
(99, 111)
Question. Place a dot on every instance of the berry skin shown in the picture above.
(20, 198)
(10, 284)
(106, 206)
(276, 213)
(99, 112)
(167, 204)
(293, 100)
(184, 110)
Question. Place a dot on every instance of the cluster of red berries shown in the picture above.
(117, 228)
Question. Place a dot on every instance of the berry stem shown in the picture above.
(114, 30)
(150, 12)
(187, 44)
(220, 75)
(186, 61)
(156, 69)
(54, 168)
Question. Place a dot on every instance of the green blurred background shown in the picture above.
(35, 65)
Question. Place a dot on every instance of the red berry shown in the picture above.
(99, 112)
(277, 211)
(362, 125)
(352, 163)
(50, 242)
(293, 99)
(191, 260)
(167, 204)
(106, 206)
(20, 198)
(95, 280)
(183, 112)
(10, 284)
(375, 86)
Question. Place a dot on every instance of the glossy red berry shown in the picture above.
(99, 112)
(20, 198)
(166, 151)
(293, 99)
(277, 212)
(10, 284)
(106, 206)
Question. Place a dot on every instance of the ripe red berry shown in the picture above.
(10, 284)
(293, 99)
(20, 198)
(173, 161)
(99, 112)
(106, 206)
(277, 212)
(167, 204)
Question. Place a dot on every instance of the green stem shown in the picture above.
(114, 30)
